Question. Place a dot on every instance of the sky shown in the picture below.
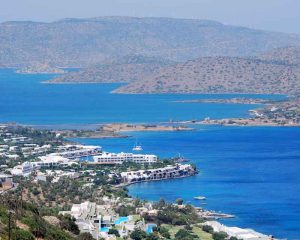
(273, 15)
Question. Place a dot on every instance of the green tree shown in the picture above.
(219, 235)
(207, 228)
(183, 234)
(179, 201)
(114, 232)
(152, 237)
(138, 234)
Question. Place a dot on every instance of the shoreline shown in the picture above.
(121, 185)
(238, 122)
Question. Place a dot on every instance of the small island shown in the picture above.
(41, 69)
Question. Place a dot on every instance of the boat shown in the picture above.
(179, 159)
(137, 147)
(200, 198)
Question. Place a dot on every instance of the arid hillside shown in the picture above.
(220, 75)
(288, 55)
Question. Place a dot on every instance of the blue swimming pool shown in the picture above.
(150, 228)
(121, 220)
(104, 229)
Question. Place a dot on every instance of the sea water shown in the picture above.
(251, 172)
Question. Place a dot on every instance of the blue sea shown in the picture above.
(251, 172)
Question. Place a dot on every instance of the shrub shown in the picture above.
(114, 232)
(21, 234)
(85, 236)
(138, 234)
(219, 235)
(207, 228)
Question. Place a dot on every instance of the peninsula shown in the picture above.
(281, 113)
(117, 130)
(41, 69)
(236, 100)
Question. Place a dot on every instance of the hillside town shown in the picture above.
(92, 198)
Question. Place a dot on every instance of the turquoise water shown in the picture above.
(104, 229)
(251, 172)
(150, 228)
(121, 220)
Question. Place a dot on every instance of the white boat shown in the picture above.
(200, 198)
(137, 148)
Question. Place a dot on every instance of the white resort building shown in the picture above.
(25, 169)
(120, 158)
(78, 151)
(179, 170)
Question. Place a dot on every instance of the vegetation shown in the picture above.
(26, 221)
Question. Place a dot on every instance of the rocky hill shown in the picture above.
(288, 55)
(220, 75)
(84, 42)
(123, 70)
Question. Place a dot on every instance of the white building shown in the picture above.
(119, 158)
(88, 217)
(25, 169)
(51, 160)
(78, 151)
(179, 170)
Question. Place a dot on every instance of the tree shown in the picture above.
(114, 232)
(68, 222)
(207, 228)
(219, 235)
(183, 234)
(85, 236)
(161, 203)
(138, 234)
(163, 231)
(179, 201)
(233, 238)
(152, 237)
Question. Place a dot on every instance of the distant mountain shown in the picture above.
(85, 42)
(220, 75)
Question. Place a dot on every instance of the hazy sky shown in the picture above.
(278, 15)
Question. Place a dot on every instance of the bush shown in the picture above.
(54, 234)
(179, 201)
(114, 232)
(188, 228)
(219, 236)
(85, 236)
(21, 234)
(163, 232)
(207, 228)
(138, 234)
(183, 234)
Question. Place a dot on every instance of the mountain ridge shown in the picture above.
(85, 42)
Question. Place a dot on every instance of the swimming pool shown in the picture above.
(150, 228)
(104, 229)
(121, 220)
